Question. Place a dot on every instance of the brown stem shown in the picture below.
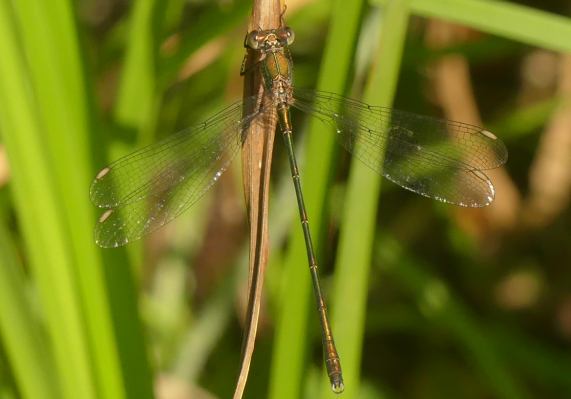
(256, 164)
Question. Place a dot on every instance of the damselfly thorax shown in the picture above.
(276, 63)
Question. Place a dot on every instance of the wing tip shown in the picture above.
(97, 193)
(94, 195)
(109, 243)
(477, 199)
(115, 240)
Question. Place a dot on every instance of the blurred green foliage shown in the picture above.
(427, 301)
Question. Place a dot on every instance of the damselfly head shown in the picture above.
(268, 40)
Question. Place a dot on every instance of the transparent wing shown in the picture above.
(148, 188)
(433, 157)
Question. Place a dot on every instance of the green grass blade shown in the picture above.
(502, 18)
(358, 222)
(50, 40)
(50, 257)
(104, 360)
(292, 325)
(32, 364)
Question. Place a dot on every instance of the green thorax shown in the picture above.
(277, 67)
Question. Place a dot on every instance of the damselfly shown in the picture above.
(436, 158)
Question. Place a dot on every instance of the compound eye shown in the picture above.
(252, 40)
(289, 35)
